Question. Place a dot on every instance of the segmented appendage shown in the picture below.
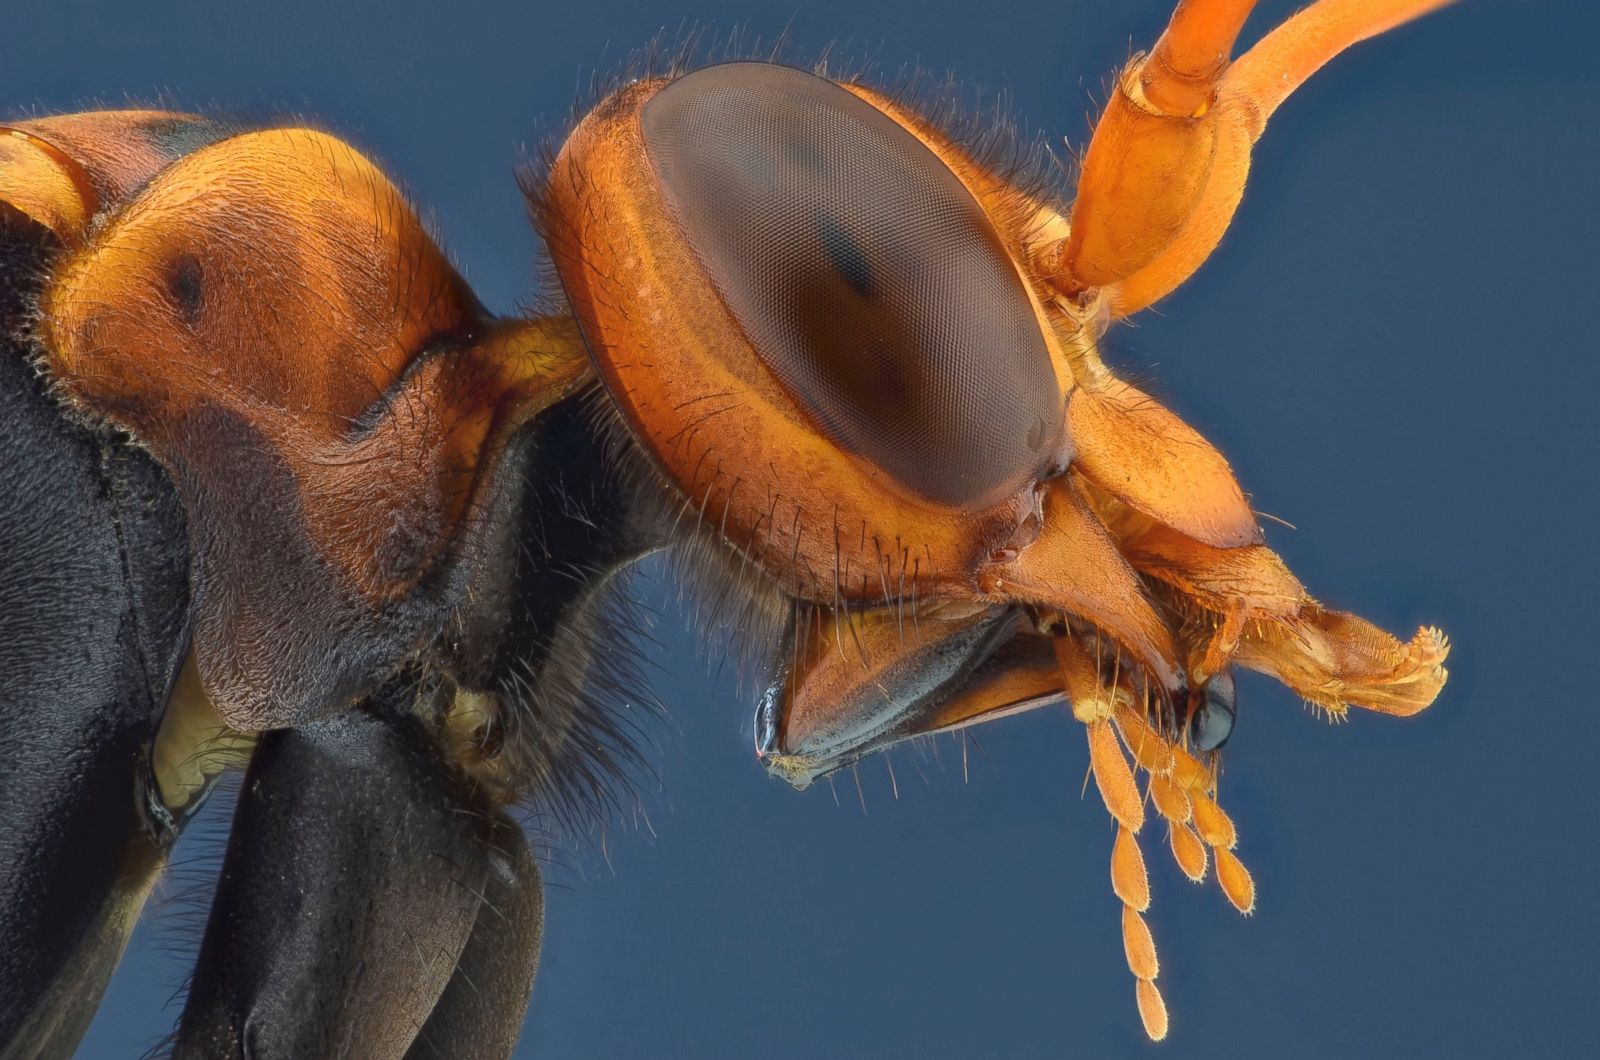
(1182, 790)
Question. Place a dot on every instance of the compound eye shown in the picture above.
(863, 274)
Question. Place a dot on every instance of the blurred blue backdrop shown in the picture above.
(1395, 346)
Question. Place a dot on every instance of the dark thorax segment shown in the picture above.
(370, 849)
(94, 605)
(864, 275)
(544, 642)
(481, 1010)
(354, 876)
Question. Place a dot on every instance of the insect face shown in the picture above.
(868, 366)
(816, 315)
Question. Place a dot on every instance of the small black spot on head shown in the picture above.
(184, 283)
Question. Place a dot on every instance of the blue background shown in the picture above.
(1395, 346)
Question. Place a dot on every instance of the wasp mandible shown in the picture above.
(279, 492)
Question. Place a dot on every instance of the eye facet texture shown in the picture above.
(865, 276)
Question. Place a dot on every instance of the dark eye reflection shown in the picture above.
(1211, 723)
(858, 342)
(849, 260)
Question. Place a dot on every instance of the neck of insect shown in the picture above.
(534, 362)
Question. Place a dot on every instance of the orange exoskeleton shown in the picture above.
(345, 522)
(870, 367)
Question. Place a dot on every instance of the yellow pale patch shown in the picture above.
(193, 743)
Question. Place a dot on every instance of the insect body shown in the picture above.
(365, 529)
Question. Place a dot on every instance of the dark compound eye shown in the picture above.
(865, 276)
(1212, 721)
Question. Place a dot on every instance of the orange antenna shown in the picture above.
(1168, 161)
(1179, 77)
